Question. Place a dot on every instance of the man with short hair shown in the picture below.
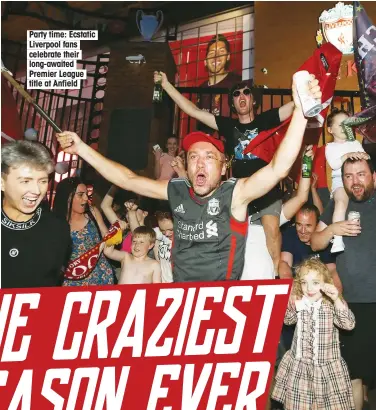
(35, 243)
(357, 269)
(238, 133)
(210, 217)
(217, 63)
(296, 244)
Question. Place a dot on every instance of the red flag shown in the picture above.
(324, 64)
(81, 267)
(193, 345)
(10, 120)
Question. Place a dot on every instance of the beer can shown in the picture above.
(354, 216)
(311, 106)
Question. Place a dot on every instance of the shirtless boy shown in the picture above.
(137, 267)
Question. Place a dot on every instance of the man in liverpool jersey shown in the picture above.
(210, 217)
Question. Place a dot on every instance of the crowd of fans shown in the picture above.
(200, 226)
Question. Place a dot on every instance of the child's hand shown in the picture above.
(330, 290)
(357, 155)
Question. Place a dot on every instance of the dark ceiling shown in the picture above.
(113, 19)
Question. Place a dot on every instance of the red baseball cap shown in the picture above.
(199, 136)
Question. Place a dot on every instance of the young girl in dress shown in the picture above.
(336, 153)
(313, 375)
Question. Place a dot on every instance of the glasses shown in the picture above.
(246, 91)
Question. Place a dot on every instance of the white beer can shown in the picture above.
(311, 106)
(354, 216)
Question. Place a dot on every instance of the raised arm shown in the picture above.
(285, 111)
(106, 205)
(257, 185)
(118, 174)
(132, 215)
(183, 103)
(114, 254)
(179, 167)
(315, 196)
(292, 206)
(99, 219)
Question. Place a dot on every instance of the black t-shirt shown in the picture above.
(356, 266)
(237, 137)
(300, 251)
(34, 252)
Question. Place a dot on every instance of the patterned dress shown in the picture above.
(313, 371)
(82, 241)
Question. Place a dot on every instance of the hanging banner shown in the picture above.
(187, 346)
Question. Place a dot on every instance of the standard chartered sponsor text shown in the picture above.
(189, 232)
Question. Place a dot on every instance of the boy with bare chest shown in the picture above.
(137, 267)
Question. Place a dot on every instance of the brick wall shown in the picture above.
(131, 86)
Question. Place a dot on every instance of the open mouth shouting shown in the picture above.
(242, 103)
(200, 179)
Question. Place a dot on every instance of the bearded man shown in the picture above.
(357, 269)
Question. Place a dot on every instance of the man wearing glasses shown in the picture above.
(238, 133)
(210, 216)
(264, 212)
